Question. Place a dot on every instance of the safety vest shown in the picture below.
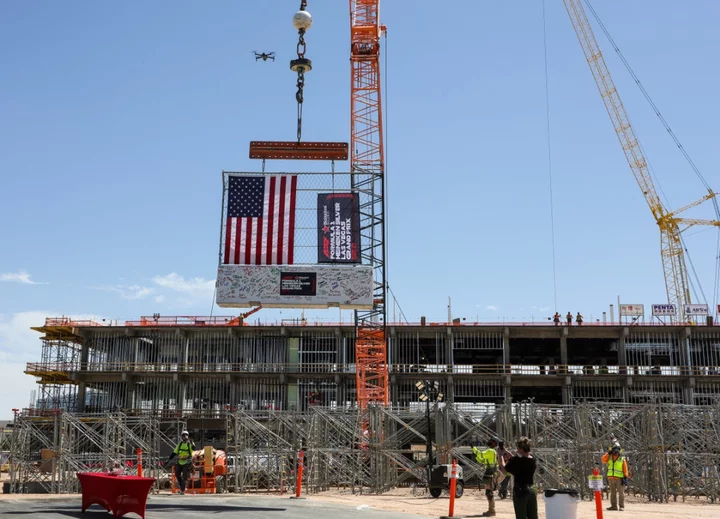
(615, 468)
(488, 457)
(184, 452)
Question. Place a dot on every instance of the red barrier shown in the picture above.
(139, 462)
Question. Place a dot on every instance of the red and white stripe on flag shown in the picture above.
(260, 223)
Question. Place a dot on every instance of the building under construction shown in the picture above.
(165, 366)
(263, 392)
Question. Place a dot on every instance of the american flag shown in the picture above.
(260, 220)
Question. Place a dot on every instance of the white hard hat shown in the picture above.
(184, 433)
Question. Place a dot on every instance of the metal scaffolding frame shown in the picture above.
(673, 450)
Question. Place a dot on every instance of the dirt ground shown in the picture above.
(473, 504)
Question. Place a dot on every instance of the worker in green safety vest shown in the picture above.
(488, 458)
(184, 453)
(617, 474)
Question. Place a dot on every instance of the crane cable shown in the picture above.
(666, 125)
(549, 155)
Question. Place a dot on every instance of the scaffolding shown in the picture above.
(49, 449)
(673, 450)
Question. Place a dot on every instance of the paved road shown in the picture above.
(187, 507)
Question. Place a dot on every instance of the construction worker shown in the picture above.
(617, 471)
(184, 453)
(556, 319)
(489, 459)
(522, 467)
(579, 319)
(569, 318)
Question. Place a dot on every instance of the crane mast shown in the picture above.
(673, 258)
(367, 167)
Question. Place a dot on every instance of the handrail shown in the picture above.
(234, 321)
(400, 369)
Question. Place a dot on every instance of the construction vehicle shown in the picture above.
(677, 282)
(207, 476)
(240, 320)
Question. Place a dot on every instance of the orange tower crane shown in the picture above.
(677, 282)
(367, 167)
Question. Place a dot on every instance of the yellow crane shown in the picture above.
(673, 257)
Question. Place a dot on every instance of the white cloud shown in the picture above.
(491, 307)
(159, 299)
(19, 277)
(17, 338)
(193, 286)
(16, 335)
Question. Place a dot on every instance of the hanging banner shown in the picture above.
(338, 220)
(664, 310)
(632, 310)
(696, 309)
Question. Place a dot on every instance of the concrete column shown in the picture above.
(689, 392)
(84, 355)
(563, 352)
(622, 349)
(450, 389)
(449, 347)
(566, 392)
(394, 396)
(684, 345)
(130, 394)
(81, 394)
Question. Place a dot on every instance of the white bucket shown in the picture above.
(561, 503)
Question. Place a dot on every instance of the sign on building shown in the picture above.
(632, 310)
(696, 309)
(664, 310)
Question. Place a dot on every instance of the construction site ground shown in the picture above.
(336, 503)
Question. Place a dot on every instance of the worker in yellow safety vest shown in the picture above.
(617, 474)
(184, 453)
(488, 458)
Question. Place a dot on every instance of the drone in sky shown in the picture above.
(264, 56)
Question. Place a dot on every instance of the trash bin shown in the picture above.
(561, 503)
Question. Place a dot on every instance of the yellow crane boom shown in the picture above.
(677, 282)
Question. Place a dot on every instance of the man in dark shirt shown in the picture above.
(522, 467)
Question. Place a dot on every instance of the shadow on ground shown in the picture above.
(74, 511)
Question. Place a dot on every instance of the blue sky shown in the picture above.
(116, 120)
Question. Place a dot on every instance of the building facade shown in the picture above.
(171, 365)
